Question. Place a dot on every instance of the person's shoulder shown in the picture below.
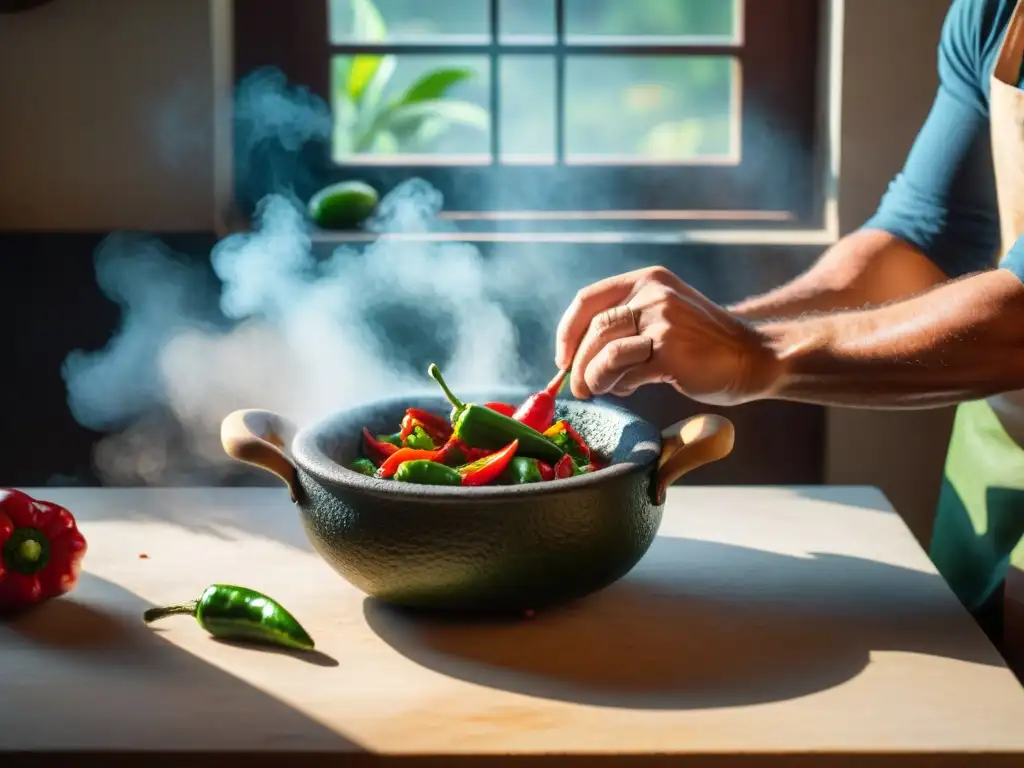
(971, 36)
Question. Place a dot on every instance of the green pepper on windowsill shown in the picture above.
(237, 613)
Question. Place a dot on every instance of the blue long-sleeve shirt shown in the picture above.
(944, 200)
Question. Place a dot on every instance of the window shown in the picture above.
(555, 110)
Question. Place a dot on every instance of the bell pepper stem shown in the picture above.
(435, 374)
(30, 550)
(181, 609)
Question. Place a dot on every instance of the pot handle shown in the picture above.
(690, 444)
(258, 438)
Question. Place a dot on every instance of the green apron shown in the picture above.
(979, 525)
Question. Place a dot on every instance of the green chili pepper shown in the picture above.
(395, 439)
(419, 440)
(363, 467)
(521, 470)
(425, 472)
(481, 427)
(237, 613)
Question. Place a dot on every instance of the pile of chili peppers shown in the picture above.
(489, 444)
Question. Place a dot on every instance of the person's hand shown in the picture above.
(647, 327)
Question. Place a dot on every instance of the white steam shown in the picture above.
(300, 332)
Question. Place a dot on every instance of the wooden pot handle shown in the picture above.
(689, 444)
(259, 438)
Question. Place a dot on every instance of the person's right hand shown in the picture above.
(648, 326)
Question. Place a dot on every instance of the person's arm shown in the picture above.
(960, 341)
(939, 218)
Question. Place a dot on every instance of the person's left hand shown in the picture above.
(648, 327)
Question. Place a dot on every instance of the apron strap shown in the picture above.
(1011, 53)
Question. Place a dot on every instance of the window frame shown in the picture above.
(778, 50)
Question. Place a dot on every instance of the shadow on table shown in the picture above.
(120, 678)
(865, 497)
(700, 624)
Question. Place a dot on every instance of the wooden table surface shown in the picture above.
(765, 624)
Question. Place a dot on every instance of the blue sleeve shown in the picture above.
(943, 202)
(1014, 260)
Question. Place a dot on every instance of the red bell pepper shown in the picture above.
(547, 472)
(483, 471)
(41, 550)
(375, 450)
(564, 467)
(503, 408)
(539, 410)
(392, 462)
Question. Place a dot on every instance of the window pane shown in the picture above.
(409, 21)
(651, 18)
(526, 21)
(527, 109)
(411, 108)
(651, 108)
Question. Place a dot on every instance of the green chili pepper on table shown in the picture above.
(426, 472)
(237, 613)
(481, 427)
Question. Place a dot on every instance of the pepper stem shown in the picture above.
(554, 387)
(182, 609)
(30, 550)
(435, 374)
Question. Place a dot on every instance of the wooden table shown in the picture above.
(767, 626)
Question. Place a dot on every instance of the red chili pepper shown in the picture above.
(482, 471)
(431, 422)
(547, 472)
(392, 462)
(564, 467)
(460, 452)
(375, 450)
(41, 550)
(503, 408)
(539, 410)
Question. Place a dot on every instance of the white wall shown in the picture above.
(82, 105)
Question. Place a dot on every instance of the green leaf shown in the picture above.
(434, 85)
(367, 27)
(363, 68)
(367, 24)
(449, 110)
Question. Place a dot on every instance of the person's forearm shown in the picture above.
(865, 268)
(960, 341)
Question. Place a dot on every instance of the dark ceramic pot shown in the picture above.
(483, 549)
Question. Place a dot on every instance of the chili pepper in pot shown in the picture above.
(539, 410)
(435, 426)
(522, 470)
(426, 472)
(565, 467)
(568, 439)
(402, 455)
(376, 450)
(503, 408)
(41, 550)
(483, 471)
(481, 427)
(237, 613)
(363, 467)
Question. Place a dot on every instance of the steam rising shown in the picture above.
(298, 332)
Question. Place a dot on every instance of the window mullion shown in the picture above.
(495, 91)
(559, 82)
